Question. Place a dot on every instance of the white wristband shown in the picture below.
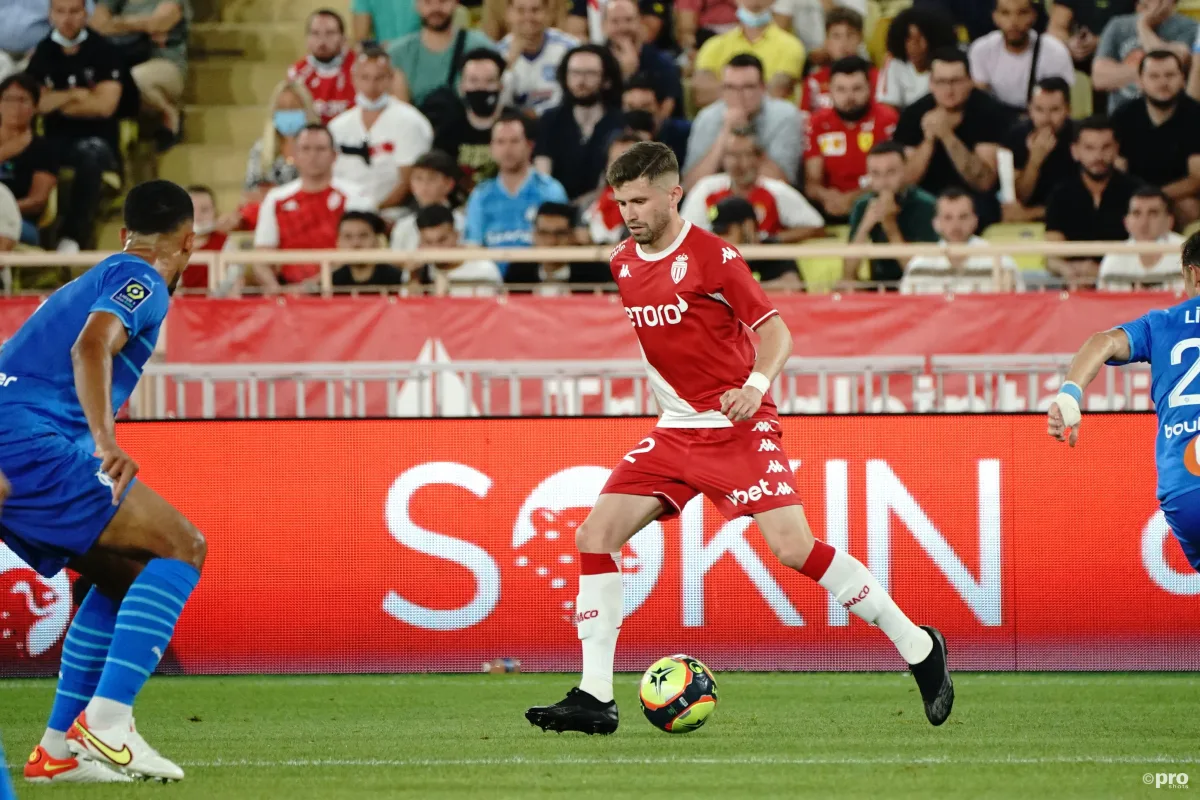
(1069, 407)
(758, 381)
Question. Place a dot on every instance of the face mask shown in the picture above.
(366, 104)
(331, 63)
(63, 41)
(752, 20)
(202, 228)
(853, 114)
(291, 121)
(482, 102)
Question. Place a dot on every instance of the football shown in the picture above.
(678, 694)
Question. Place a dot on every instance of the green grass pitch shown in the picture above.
(773, 735)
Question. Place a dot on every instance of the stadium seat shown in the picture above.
(1019, 232)
(821, 273)
(1082, 98)
(839, 232)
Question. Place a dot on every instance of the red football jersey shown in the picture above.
(331, 88)
(196, 275)
(844, 145)
(293, 219)
(816, 88)
(692, 307)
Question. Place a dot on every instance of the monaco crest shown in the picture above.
(679, 268)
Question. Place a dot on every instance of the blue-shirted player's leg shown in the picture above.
(1183, 517)
(6, 789)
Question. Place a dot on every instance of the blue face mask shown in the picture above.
(291, 121)
(751, 20)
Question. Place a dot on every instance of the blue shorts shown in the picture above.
(1183, 517)
(60, 501)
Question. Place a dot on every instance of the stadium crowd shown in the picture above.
(419, 123)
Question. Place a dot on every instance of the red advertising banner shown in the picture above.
(346, 546)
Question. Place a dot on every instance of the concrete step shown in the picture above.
(276, 42)
(225, 126)
(279, 11)
(228, 81)
(207, 164)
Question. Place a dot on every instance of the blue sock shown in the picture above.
(6, 790)
(145, 623)
(84, 653)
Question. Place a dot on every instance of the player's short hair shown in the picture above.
(952, 193)
(841, 15)
(1096, 122)
(156, 207)
(561, 210)
(327, 12)
(888, 148)
(951, 54)
(433, 216)
(649, 160)
(1191, 251)
(513, 115)
(1055, 85)
(485, 54)
(645, 82)
(26, 82)
(850, 65)
(1160, 55)
(371, 219)
(1148, 192)
(743, 60)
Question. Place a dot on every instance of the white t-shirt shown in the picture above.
(931, 274)
(10, 216)
(533, 82)
(1120, 271)
(468, 272)
(399, 137)
(808, 17)
(900, 84)
(790, 209)
(1007, 73)
(406, 237)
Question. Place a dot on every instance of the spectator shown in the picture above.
(379, 139)
(658, 16)
(272, 160)
(1149, 220)
(603, 216)
(533, 52)
(26, 22)
(554, 226)
(642, 94)
(893, 212)
(839, 138)
(1091, 205)
(500, 211)
(427, 58)
(1002, 61)
(735, 220)
(27, 163)
(434, 183)
(809, 21)
(955, 222)
(1078, 24)
(1157, 135)
(10, 223)
(362, 230)
(327, 70)
(843, 39)
(304, 214)
(780, 54)
(972, 16)
(573, 138)
(783, 213)
(81, 76)
(1127, 38)
(208, 238)
(952, 134)
(698, 20)
(635, 55)
(384, 21)
(1041, 148)
(912, 39)
(436, 224)
(152, 38)
(465, 131)
(776, 124)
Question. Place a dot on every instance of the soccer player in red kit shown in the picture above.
(693, 301)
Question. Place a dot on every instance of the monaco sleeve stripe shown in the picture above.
(773, 312)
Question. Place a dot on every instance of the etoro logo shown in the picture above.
(544, 539)
(741, 497)
(34, 611)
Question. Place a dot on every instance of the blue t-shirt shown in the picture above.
(1169, 339)
(496, 218)
(37, 379)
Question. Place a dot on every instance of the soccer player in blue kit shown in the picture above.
(74, 500)
(1169, 339)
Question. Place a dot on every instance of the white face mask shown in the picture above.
(63, 41)
(367, 104)
(202, 228)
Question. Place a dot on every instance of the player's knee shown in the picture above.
(793, 554)
(596, 537)
(189, 545)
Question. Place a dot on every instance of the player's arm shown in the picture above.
(5, 489)
(774, 348)
(102, 338)
(1100, 349)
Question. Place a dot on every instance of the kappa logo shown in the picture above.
(624, 271)
(767, 446)
(763, 427)
(729, 254)
(774, 466)
(741, 497)
(679, 268)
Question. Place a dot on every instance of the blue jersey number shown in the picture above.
(1177, 397)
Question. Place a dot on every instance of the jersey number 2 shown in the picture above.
(1178, 398)
(646, 445)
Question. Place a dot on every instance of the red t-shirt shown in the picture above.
(293, 219)
(844, 145)
(331, 88)
(196, 275)
(816, 88)
(765, 207)
(692, 307)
